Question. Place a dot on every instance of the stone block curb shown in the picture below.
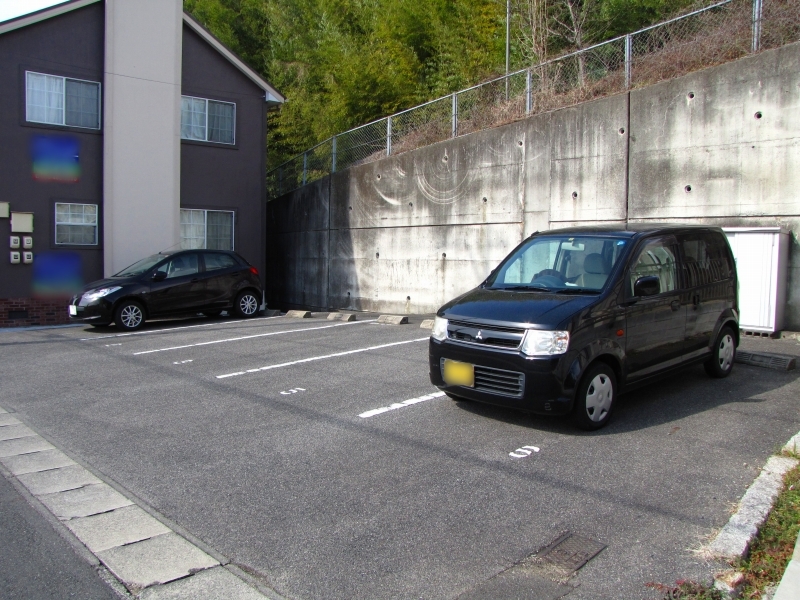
(734, 540)
(427, 324)
(126, 543)
(271, 312)
(299, 314)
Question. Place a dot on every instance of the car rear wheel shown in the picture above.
(129, 316)
(595, 398)
(246, 304)
(722, 354)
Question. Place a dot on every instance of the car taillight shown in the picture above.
(254, 271)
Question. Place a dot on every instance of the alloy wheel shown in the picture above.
(248, 304)
(131, 316)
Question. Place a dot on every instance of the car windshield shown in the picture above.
(141, 266)
(559, 263)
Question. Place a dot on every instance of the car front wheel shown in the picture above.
(246, 304)
(722, 354)
(595, 398)
(129, 316)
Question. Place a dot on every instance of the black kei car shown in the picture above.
(573, 317)
(169, 284)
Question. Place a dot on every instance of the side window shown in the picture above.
(656, 258)
(180, 266)
(216, 261)
(705, 259)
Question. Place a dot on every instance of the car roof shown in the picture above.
(629, 230)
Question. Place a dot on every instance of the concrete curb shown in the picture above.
(393, 320)
(734, 540)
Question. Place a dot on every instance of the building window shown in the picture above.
(207, 120)
(209, 229)
(76, 224)
(62, 101)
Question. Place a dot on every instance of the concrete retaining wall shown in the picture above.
(410, 232)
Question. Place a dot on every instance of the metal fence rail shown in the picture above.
(709, 36)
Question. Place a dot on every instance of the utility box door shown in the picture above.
(761, 255)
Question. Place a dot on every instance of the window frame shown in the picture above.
(205, 228)
(206, 101)
(56, 223)
(63, 123)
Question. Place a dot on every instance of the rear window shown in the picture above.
(216, 261)
(705, 259)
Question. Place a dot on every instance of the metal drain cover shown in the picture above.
(570, 552)
(779, 362)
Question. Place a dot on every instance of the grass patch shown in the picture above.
(769, 555)
(773, 548)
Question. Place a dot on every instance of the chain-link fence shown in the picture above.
(700, 39)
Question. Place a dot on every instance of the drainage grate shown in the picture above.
(570, 552)
(779, 362)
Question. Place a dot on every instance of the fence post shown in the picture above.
(757, 9)
(388, 136)
(628, 58)
(528, 92)
(305, 166)
(454, 128)
(333, 156)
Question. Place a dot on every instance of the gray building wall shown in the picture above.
(70, 45)
(410, 232)
(141, 127)
(220, 176)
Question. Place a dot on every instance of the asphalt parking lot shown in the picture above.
(317, 457)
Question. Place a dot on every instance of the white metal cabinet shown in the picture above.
(762, 257)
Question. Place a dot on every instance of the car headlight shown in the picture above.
(544, 343)
(439, 331)
(97, 294)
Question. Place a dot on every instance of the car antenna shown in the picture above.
(170, 248)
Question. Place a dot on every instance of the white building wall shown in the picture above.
(141, 128)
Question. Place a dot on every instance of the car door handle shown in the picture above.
(675, 304)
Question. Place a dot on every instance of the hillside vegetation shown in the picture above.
(341, 63)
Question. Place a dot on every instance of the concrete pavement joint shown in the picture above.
(169, 329)
(112, 533)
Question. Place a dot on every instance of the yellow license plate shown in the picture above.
(458, 373)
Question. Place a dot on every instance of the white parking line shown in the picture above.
(116, 335)
(247, 337)
(313, 358)
(403, 404)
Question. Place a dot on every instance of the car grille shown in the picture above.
(498, 381)
(493, 336)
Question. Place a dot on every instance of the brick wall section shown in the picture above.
(50, 311)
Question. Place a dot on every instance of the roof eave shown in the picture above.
(41, 15)
(271, 95)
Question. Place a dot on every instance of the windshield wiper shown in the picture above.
(576, 290)
(527, 288)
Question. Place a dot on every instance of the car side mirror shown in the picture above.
(647, 286)
(159, 276)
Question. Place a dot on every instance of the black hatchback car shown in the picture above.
(168, 284)
(573, 317)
